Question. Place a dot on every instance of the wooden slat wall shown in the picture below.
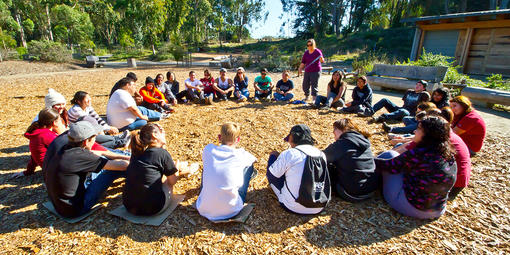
(489, 51)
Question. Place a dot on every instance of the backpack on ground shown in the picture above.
(315, 188)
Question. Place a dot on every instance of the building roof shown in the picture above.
(458, 15)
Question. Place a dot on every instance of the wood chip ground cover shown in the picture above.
(476, 222)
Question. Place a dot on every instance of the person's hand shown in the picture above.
(144, 117)
(174, 101)
(348, 104)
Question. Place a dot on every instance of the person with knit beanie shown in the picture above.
(57, 101)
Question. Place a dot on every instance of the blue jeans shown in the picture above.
(280, 97)
(139, 123)
(410, 125)
(277, 182)
(328, 101)
(247, 175)
(242, 93)
(263, 95)
(394, 112)
(97, 187)
(395, 196)
(195, 95)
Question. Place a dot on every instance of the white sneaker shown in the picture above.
(164, 116)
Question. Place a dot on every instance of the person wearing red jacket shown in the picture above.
(41, 133)
(153, 99)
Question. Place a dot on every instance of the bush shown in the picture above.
(21, 51)
(495, 81)
(49, 51)
(364, 63)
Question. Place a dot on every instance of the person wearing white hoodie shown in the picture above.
(226, 176)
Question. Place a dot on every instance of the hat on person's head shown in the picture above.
(240, 69)
(148, 80)
(223, 69)
(301, 134)
(53, 98)
(82, 130)
(424, 83)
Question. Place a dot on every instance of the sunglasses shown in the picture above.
(263, 73)
(309, 45)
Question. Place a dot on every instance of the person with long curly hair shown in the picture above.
(417, 181)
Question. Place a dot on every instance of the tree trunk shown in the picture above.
(21, 31)
(153, 49)
(50, 32)
(446, 3)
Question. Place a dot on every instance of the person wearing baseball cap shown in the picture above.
(67, 173)
(224, 86)
(412, 98)
(284, 171)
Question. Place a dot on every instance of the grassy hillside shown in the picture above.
(395, 42)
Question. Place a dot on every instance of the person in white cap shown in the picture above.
(67, 166)
(56, 101)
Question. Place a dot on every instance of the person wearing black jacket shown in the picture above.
(361, 98)
(411, 100)
(351, 163)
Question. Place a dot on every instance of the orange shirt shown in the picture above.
(153, 96)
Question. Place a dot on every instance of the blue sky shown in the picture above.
(273, 23)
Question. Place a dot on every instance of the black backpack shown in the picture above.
(315, 188)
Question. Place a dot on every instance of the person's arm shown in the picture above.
(116, 165)
(215, 86)
(160, 95)
(147, 97)
(230, 85)
(366, 95)
(402, 148)
(111, 155)
(341, 91)
(397, 164)
(134, 110)
(256, 85)
(458, 131)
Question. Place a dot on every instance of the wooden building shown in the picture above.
(479, 41)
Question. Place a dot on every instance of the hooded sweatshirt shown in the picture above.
(40, 139)
(351, 164)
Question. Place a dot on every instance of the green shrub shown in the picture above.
(49, 51)
(495, 81)
(21, 51)
(364, 63)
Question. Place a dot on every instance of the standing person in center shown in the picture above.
(263, 86)
(311, 63)
(284, 88)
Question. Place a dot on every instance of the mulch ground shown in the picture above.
(476, 222)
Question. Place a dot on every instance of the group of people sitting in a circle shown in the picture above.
(79, 156)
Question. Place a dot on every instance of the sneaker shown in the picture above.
(256, 99)
(386, 127)
(379, 119)
(341, 110)
(164, 116)
(325, 108)
(125, 135)
(242, 99)
(364, 114)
